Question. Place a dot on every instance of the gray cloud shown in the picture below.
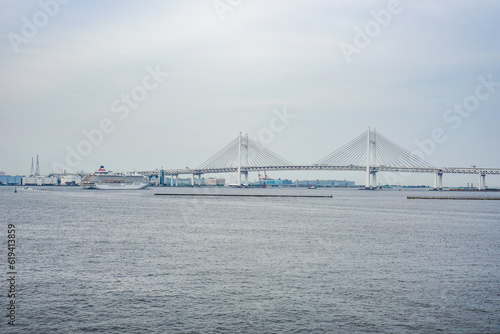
(226, 76)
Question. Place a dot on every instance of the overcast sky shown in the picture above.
(338, 67)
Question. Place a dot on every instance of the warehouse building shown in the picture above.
(11, 180)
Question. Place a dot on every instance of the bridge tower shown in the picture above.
(245, 145)
(239, 161)
(242, 145)
(371, 142)
(242, 155)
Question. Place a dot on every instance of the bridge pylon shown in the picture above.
(371, 152)
(241, 154)
(242, 144)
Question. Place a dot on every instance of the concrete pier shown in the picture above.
(246, 195)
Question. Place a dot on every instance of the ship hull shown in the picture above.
(120, 186)
(115, 186)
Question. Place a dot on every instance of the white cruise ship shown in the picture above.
(107, 181)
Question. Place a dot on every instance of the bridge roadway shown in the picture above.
(373, 169)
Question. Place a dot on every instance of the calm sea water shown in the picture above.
(362, 261)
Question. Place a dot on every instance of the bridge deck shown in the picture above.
(440, 170)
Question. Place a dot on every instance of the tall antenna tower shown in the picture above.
(37, 172)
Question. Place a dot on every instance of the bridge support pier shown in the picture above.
(374, 180)
(192, 180)
(438, 181)
(482, 182)
(162, 177)
(171, 180)
(199, 180)
(177, 180)
(246, 179)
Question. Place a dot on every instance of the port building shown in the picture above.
(40, 180)
(70, 179)
(10, 180)
(214, 181)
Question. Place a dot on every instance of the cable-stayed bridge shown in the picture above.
(370, 153)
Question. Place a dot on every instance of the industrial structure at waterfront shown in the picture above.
(35, 179)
